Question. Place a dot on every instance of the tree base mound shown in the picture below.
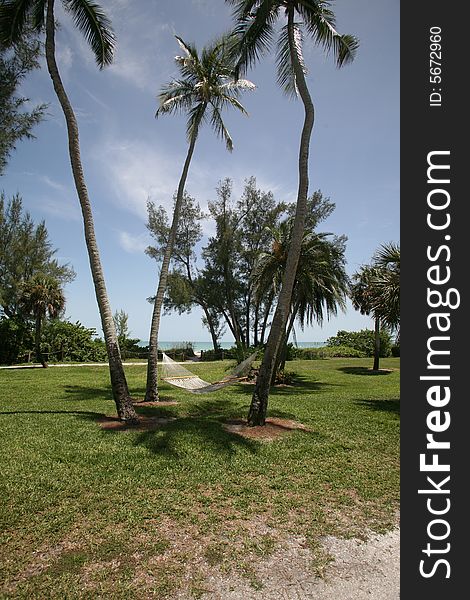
(274, 428)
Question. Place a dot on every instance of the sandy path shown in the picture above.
(360, 570)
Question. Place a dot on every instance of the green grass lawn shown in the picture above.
(89, 513)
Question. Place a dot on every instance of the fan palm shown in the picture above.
(255, 30)
(42, 296)
(376, 291)
(363, 293)
(15, 18)
(206, 86)
(387, 301)
(321, 282)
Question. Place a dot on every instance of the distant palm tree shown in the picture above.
(375, 290)
(207, 85)
(255, 30)
(15, 17)
(321, 283)
(42, 296)
(387, 302)
(363, 293)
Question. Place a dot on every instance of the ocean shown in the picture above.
(208, 345)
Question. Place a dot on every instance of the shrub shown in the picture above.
(16, 341)
(65, 341)
(308, 353)
(342, 352)
(285, 378)
(396, 350)
(180, 351)
(363, 341)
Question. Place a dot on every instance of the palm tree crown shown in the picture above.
(376, 287)
(256, 30)
(17, 15)
(207, 82)
(42, 295)
(321, 282)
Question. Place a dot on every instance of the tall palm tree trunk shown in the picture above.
(121, 396)
(259, 401)
(151, 393)
(282, 354)
(376, 345)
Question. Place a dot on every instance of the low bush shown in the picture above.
(342, 352)
(65, 341)
(363, 341)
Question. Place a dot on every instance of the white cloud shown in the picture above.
(133, 243)
(137, 171)
(55, 185)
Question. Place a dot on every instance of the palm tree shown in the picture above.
(15, 17)
(363, 294)
(376, 291)
(387, 302)
(207, 85)
(42, 296)
(320, 285)
(255, 29)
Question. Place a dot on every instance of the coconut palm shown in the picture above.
(321, 282)
(255, 30)
(42, 296)
(205, 87)
(15, 18)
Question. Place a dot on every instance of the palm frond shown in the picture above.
(96, 28)
(177, 96)
(285, 68)
(219, 128)
(38, 14)
(238, 85)
(319, 20)
(206, 79)
(13, 19)
(196, 116)
(254, 33)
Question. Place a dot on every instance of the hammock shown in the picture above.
(179, 376)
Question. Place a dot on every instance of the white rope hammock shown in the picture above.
(179, 376)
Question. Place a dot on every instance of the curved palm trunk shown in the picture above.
(151, 393)
(282, 354)
(259, 401)
(121, 396)
(376, 345)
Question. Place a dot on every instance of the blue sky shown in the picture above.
(129, 156)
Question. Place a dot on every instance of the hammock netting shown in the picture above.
(179, 376)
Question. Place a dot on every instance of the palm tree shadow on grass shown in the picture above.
(364, 371)
(301, 385)
(390, 406)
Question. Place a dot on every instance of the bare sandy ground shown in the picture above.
(359, 571)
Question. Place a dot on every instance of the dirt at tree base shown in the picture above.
(274, 428)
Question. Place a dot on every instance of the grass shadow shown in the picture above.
(364, 371)
(389, 406)
(172, 439)
(301, 385)
(84, 414)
